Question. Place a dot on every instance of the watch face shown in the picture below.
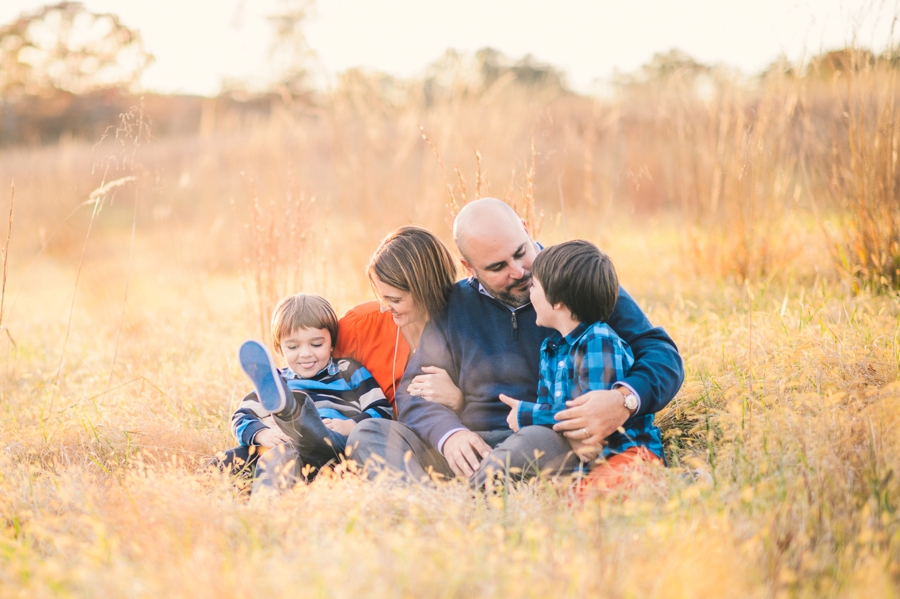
(631, 401)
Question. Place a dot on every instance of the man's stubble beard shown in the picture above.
(510, 297)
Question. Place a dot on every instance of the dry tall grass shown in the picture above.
(864, 170)
(121, 384)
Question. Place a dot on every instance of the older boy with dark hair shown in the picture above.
(575, 290)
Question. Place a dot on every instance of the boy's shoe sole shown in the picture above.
(257, 362)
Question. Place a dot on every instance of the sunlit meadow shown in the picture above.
(757, 222)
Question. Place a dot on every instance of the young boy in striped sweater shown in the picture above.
(305, 411)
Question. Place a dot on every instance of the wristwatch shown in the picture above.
(631, 400)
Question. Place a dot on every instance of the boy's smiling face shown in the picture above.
(306, 350)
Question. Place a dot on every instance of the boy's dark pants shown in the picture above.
(313, 446)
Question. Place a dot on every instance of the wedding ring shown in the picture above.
(586, 433)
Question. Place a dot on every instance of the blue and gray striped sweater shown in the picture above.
(344, 390)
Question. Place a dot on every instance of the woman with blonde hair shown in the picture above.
(411, 273)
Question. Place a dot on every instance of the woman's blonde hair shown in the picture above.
(413, 259)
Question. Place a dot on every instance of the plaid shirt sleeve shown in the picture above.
(540, 413)
(604, 360)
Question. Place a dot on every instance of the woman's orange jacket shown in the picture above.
(370, 337)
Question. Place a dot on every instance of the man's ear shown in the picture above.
(469, 268)
(525, 226)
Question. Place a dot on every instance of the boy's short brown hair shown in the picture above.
(579, 276)
(303, 311)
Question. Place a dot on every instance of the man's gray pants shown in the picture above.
(387, 444)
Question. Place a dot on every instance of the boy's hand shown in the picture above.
(339, 426)
(513, 418)
(270, 437)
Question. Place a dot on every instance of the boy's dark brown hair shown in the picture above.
(579, 276)
(303, 311)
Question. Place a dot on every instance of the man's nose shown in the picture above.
(518, 270)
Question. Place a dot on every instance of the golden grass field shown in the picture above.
(735, 220)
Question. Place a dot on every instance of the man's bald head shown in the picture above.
(483, 219)
(496, 249)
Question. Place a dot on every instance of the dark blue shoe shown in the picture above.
(271, 389)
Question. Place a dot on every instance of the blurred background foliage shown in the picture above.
(746, 164)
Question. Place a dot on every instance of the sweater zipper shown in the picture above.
(515, 320)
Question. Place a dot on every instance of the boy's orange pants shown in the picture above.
(617, 472)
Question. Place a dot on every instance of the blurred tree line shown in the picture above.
(65, 70)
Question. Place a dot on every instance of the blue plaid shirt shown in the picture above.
(590, 358)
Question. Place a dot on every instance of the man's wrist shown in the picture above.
(447, 435)
(630, 400)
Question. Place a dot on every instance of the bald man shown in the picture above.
(488, 343)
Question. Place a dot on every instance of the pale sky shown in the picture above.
(198, 43)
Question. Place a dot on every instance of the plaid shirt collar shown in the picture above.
(331, 369)
(569, 340)
(576, 333)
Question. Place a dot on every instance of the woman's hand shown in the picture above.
(437, 386)
(339, 425)
(270, 437)
(513, 418)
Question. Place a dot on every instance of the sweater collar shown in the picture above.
(330, 368)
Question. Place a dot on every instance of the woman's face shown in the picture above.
(398, 302)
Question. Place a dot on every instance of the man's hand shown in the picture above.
(592, 417)
(512, 419)
(270, 437)
(437, 386)
(463, 451)
(339, 425)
